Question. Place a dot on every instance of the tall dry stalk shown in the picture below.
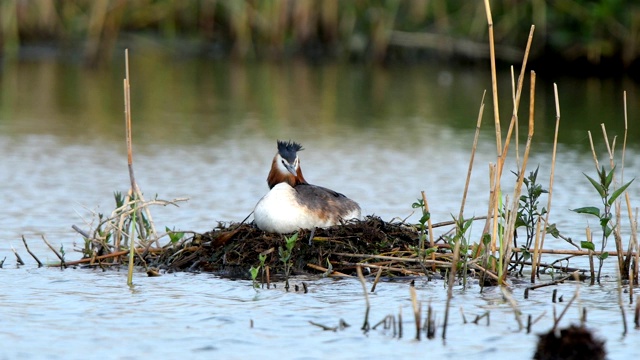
(539, 242)
(494, 78)
(473, 154)
(512, 215)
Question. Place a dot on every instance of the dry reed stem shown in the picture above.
(135, 189)
(325, 270)
(593, 151)
(375, 282)
(484, 271)
(387, 267)
(536, 252)
(24, 241)
(551, 177)
(452, 278)
(112, 255)
(571, 252)
(494, 77)
(616, 230)
(429, 227)
(398, 259)
(515, 115)
(591, 266)
(416, 310)
(502, 153)
(624, 141)
(516, 104)
(634, 234)
(473, 154)
(492, 207)
(512, 215)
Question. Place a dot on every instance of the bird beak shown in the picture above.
(291, 169)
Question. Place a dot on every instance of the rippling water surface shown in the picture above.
(207, 131)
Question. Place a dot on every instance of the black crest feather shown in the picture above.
(288, 150)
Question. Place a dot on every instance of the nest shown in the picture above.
(232, 250)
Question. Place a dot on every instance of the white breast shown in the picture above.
(279, 211)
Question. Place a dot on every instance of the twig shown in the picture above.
(62, 262)
(551, 283)
(323, 269)
(24, 241)
(18, 258)
(324, 327)
(81, 232)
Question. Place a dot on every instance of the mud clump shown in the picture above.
(572, 343)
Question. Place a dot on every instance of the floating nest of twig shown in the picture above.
(232, 250)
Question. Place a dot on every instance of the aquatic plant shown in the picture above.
(285, 256)
(604, 188)
(529, 214)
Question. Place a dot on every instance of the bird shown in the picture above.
(293, 204)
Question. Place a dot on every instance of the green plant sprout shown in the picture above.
(285, 256)
(528, 216)
(174, 236)
(603, 187)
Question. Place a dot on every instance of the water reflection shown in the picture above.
(192, 100)
(207, 130)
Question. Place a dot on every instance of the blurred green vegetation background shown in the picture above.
(599, 35)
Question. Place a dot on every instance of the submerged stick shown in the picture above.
(375, 282)
(452, 278)
(365, 326)
(551, 283)
(24, 241)
(62, 262)
(621, 304)
(416, 310)
(18, 258)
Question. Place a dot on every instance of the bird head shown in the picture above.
(286, 165)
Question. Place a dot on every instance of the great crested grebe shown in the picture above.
(293, 203)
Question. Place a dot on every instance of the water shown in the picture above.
(206, 130)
